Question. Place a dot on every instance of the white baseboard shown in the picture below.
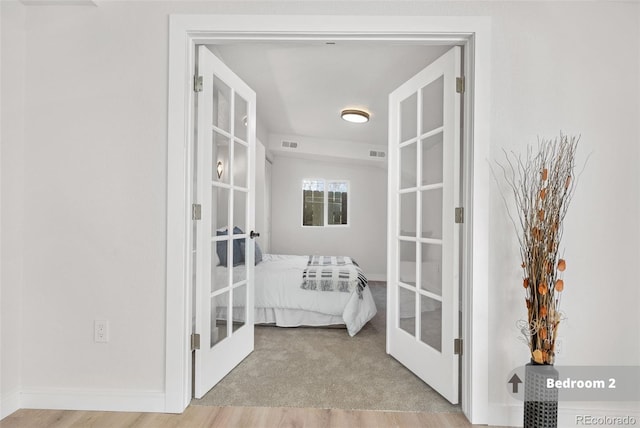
(568, 413)
(376, 276)
(9, 403)
(76, 399)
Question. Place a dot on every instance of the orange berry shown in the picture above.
(542, 333)
(562, 265)
(542, 289)
(537, 356)
(559, 285)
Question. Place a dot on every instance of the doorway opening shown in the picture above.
(295, 81)
(423, 159)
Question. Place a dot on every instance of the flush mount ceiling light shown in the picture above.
(355, 116)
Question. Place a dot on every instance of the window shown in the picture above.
(325, 202)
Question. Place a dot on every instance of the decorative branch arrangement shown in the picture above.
(542, 184)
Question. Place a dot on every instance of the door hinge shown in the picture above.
(195, 342)
(197, 83)
(457, 346)
(196, 211)
(459, 215)
(460, 85)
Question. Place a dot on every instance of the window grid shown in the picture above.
(325, 203)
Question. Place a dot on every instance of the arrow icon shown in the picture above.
(515, 381)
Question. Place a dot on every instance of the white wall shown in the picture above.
(549, 75)
(638, 162)
(91, 192)
(261, 203)
(308, 146)
(12, 87)
(364, 239)
(94, 206)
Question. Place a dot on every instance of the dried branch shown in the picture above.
(542, 186)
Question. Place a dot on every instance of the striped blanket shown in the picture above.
(333, 273)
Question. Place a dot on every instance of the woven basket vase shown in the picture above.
(540, 402)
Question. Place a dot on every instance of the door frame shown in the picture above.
(473, 33)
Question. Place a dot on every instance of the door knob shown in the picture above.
(253, 234)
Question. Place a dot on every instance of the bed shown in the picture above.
(292, 291)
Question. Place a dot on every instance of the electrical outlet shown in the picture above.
(559, 346)
(101, 331)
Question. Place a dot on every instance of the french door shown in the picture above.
(423, 237)
(224, 250)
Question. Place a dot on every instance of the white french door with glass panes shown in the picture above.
(423, 251)
(224, 253)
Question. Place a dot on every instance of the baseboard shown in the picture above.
(9, 403)
(569, 414)
(76, 399)
(377, 276)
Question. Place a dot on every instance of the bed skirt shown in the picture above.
(295, 318)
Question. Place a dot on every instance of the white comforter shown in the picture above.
(277, 285)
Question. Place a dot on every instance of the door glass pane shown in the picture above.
(432, 105)
(409, 118)
(431, 322)
(239, 258)
(219, 208)
(219, 268)
(408, 166)
(219, 316)
(221, 105)
(239, 307)
(432, 160)
(240, 165)
(407, 310)
(240, 211)
(431, 278)
(407, 268)
(240, 118)
(408, 214)
(432, 213)
(220, 161)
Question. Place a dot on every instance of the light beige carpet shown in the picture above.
(326, 368)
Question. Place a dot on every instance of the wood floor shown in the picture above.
(231, 417)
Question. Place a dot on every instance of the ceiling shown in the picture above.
(301, 87)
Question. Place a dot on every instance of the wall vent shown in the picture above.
(376, 154)
(290, 144)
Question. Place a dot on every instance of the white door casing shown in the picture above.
(226, 112)
(424, 239)
(187, 31)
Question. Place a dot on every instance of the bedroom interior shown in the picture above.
(299, 149)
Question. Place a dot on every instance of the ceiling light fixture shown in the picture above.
(355, 116)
